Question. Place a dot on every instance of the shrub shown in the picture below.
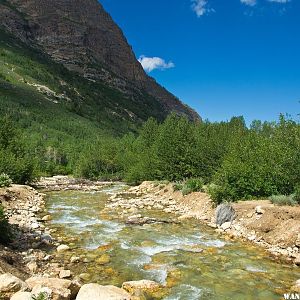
(19, 169)
(5, 180)
(177, 186)
(192, 185)
(5, 233)
(283, 200)
(41, 296)
(217, 193)
(297, 194)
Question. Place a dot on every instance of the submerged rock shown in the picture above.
(296, 287)
(47, 218)
(146, 220)
(62, 248)
(95, 291)
(225, 213)
(103, 259)
(144, 285)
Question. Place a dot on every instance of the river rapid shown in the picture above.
(189, 259)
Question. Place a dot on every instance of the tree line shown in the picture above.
(232, 161)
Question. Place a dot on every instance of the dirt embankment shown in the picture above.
(22, 205)
(276, 228)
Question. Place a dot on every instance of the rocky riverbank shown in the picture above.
(275, 228)
(60, 183)
(31, 265)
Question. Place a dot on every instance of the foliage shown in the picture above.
(5, 180)
(260, 163)
(15, 161)
(41, 296)
(297, 194)
(177, 186)
(5, 232)
(192, 185)
(99, 161)
(216, 192)
(283, 200)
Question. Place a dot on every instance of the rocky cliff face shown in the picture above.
(82, 36)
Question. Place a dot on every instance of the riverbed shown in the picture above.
(188, 258)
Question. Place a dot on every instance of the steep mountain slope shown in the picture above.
(82, 37)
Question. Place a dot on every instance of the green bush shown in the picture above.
(282, 200)
(192, 185)
(217, 193)
(14, 159)
(5, 232)
(19, 169)
(297, 194)
(5, 180)
(177, 186)
(41, 296)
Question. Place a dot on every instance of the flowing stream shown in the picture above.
(190, 259)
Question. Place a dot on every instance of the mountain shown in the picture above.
(72, 56)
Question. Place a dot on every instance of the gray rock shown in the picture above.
(225, 213)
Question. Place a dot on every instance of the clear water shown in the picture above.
(168, 253)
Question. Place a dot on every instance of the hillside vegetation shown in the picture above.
(60, 111)
(227, 159)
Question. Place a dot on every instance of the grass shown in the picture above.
(189, 186)
(192, 185)
(282, 200)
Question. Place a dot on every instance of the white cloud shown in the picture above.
(151, 63)
(200, 7)
(249, 2)
(279, 1)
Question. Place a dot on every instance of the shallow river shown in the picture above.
(171, 254)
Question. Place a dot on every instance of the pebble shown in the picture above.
(74, 259)
(62, 248)
(225, 226)
(47, 218)
(64, 274)
(259, 210)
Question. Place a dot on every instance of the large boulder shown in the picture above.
(10, 284)
(99, 292)
(58, 286)
(22, 296)
(52, 293)
(224, 213)
(296, 287)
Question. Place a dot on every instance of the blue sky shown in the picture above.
(222, 57)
